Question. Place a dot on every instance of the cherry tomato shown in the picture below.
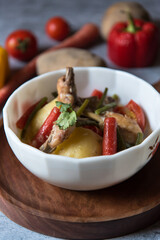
(21, 44)
(57, 28)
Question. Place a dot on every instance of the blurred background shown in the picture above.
(33, 15)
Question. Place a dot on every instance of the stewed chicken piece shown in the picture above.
(67, 94)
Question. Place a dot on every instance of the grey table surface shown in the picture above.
(32, 15)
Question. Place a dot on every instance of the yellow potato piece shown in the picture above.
(39, 119)
(82, 143)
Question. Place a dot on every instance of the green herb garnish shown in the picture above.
(67, 117)
(63, 106)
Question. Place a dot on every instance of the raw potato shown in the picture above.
(62, 58)
(39, 119)
(114, 14)
(82, 143)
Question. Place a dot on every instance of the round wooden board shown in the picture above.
(107, 213)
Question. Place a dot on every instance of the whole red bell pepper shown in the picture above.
(133, 44)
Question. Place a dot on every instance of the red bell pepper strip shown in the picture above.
(109, 136)
(134, 44)
(23, 119)
(94, 129)
(97, 93)
(139, 113)
(46, 128)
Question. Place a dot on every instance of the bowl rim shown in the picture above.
(71, 159)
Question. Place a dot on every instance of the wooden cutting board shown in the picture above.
(107, 213)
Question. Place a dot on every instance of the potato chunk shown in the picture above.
(81, 143)
(39, 119)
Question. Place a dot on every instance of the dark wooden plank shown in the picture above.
(106, 213)
(157, 86)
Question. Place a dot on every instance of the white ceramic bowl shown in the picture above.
(93, 172)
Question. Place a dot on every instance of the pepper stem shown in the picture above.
(131, 28)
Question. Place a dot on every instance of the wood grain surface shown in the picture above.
(1, 122)
(111, 212)
(157, 86)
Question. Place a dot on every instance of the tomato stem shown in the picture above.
(23, 44)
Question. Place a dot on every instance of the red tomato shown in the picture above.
(57, 28)
(21, 44)
(97, 93)
(125, 111)
(138, 111)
